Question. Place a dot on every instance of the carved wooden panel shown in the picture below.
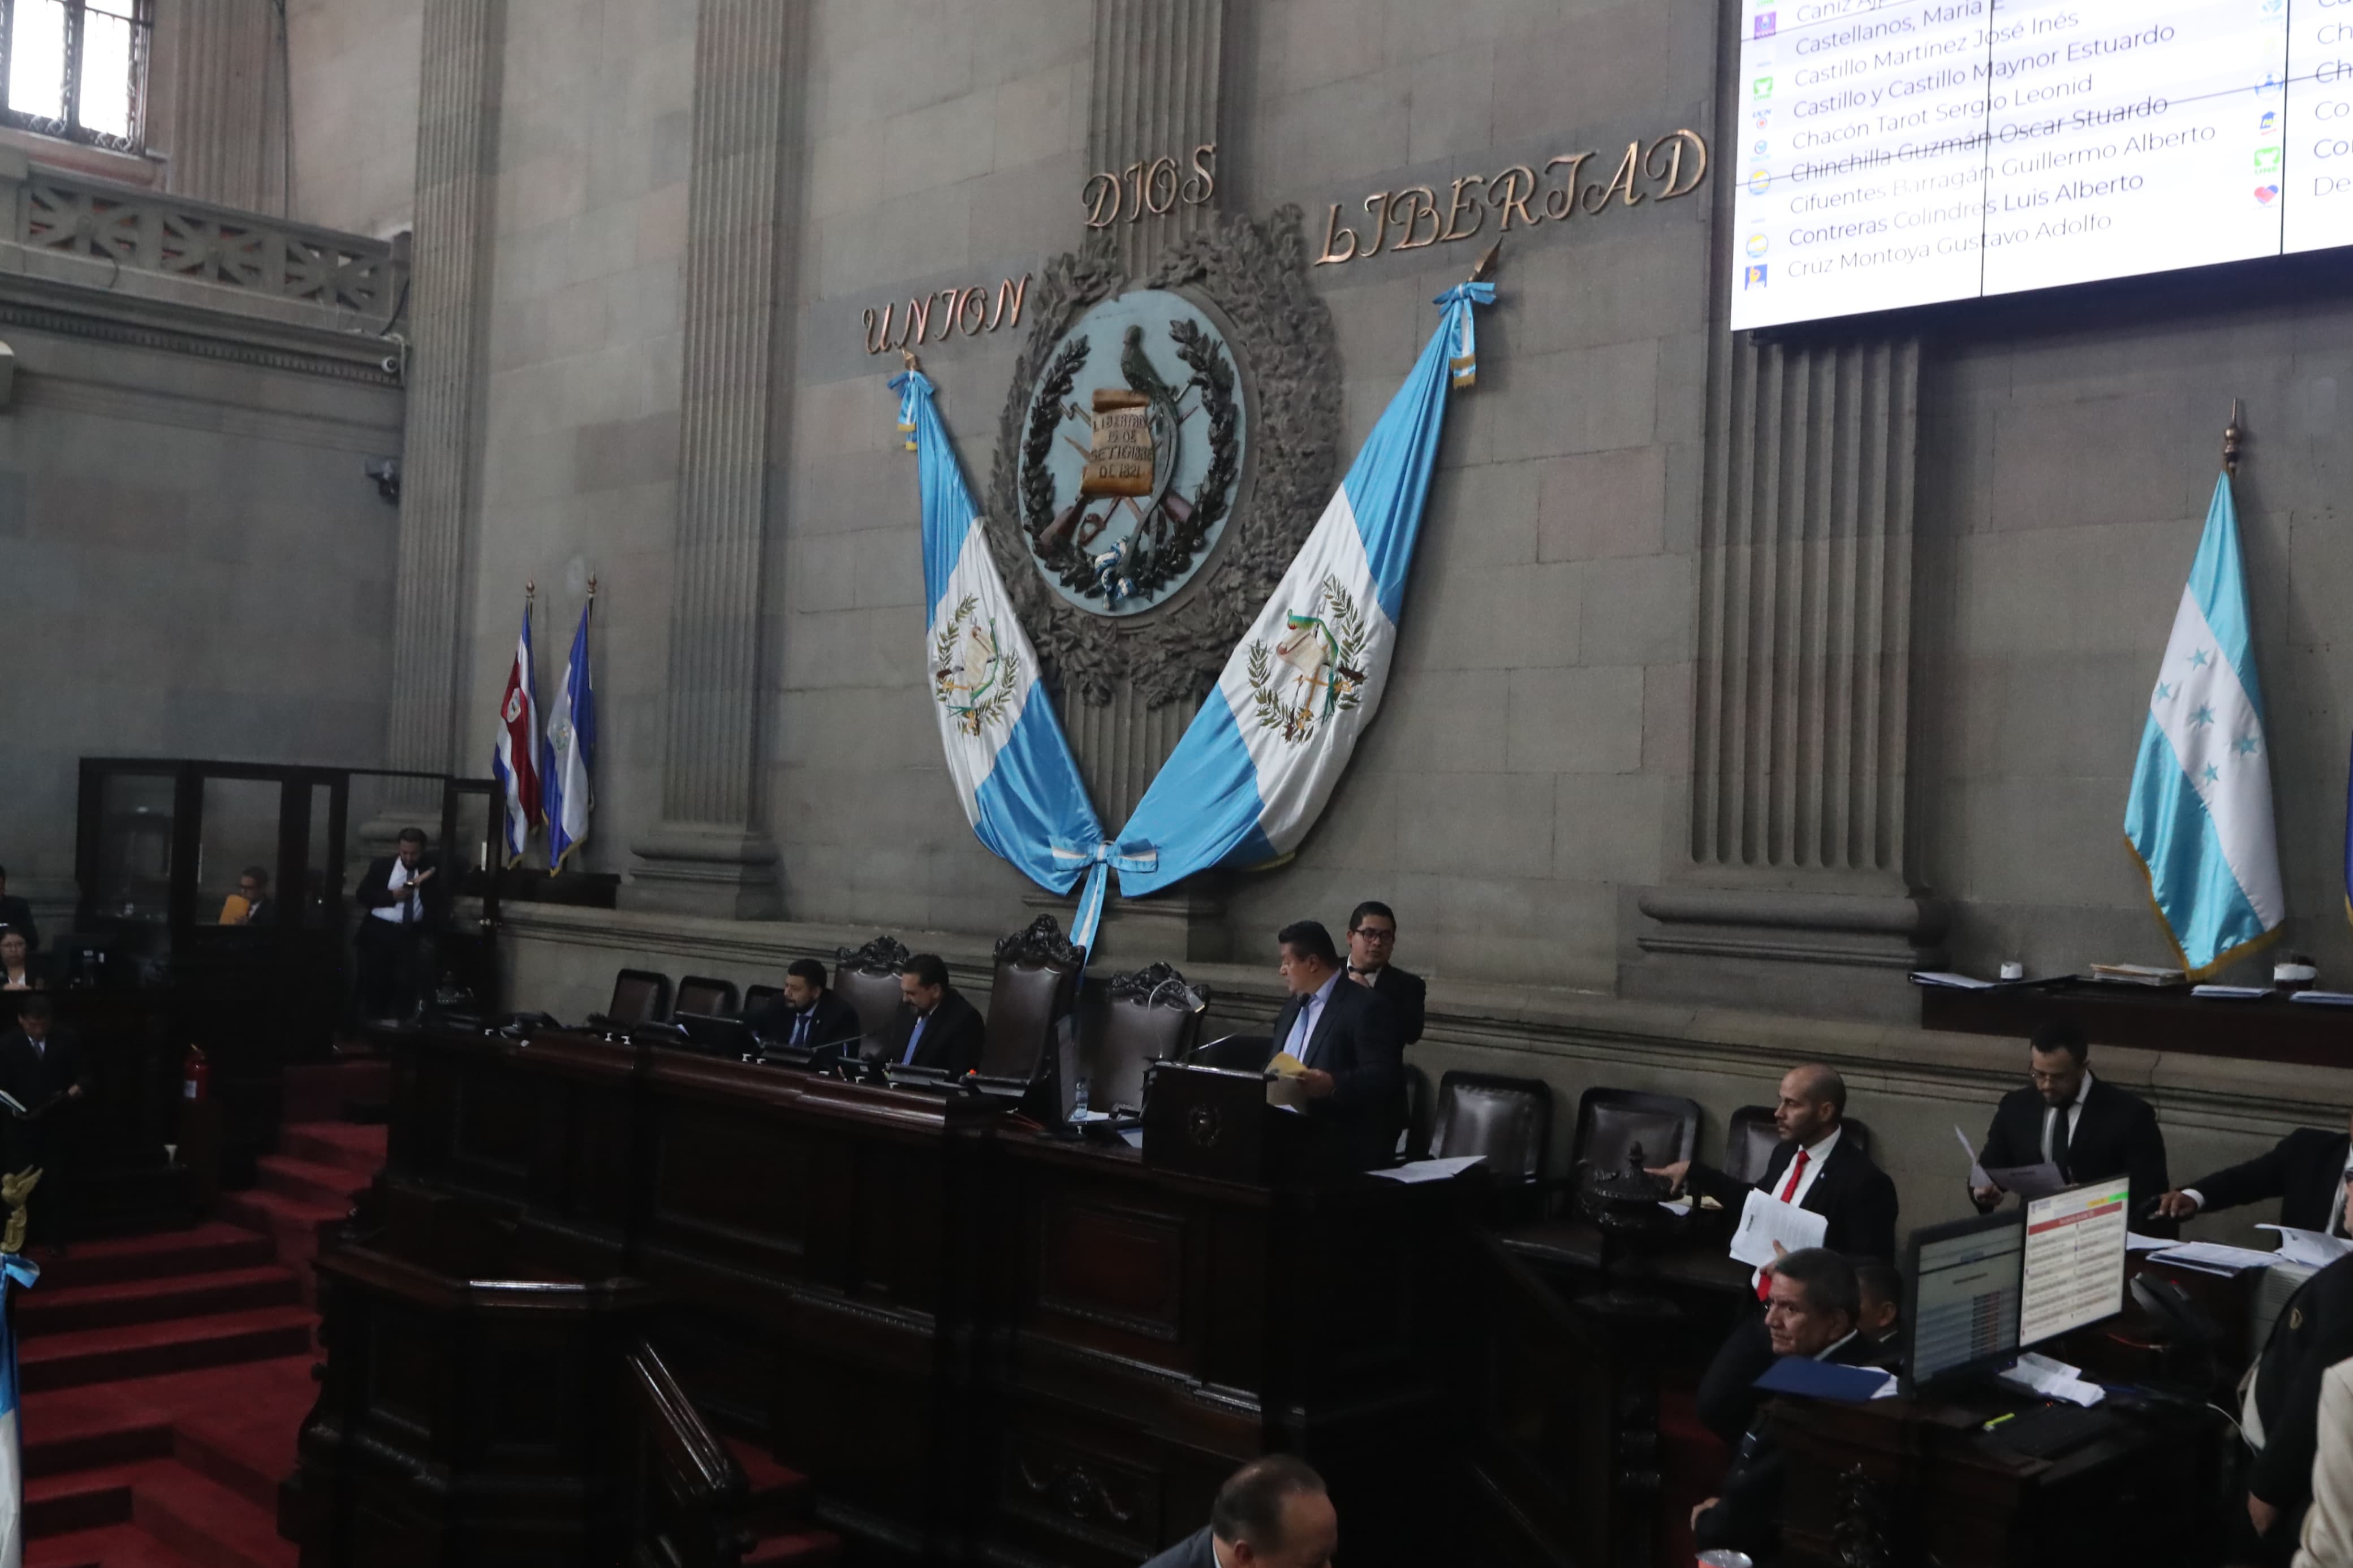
(730, 1184)
(1076, 1486)
(1112, 1263)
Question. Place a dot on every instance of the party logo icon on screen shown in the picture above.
(2267, 194)
(1761, 87)
(1759, 181)
(1754, 278)
(1767, 21)
(1757, 245)
(2268, 123)
(2267, 159)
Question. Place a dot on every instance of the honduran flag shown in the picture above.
(2200, 816)
(15, 1270)
(1252, 772)
(1012, 768)
(514, 746)
(571, 750)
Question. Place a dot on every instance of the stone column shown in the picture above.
(1154, 92)
(456, 141)
(709, 854)
(215, 102)
(1793, 885)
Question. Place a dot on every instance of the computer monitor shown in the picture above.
(2075, 1260)
(1960, 1297)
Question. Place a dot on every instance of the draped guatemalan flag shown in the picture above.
(514, 746)
(1252, 772)
(2199, 817)
(15, 1270)
(571, 750)
(1013, 769)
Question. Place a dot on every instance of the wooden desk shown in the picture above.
(2273, 1029)
(975, 1339)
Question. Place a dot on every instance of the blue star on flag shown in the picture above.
(2244, 745)
(2213, 773)
(2164, 692)
(2198, 660)
(2205, 715)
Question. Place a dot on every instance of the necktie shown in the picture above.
(1302, 1033)
(800, 1029)
(1788, 1195)
(914, 1039)
(2059, 1119)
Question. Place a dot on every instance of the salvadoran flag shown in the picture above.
(2199, 817)
(15, 1270)
(514, 745)
(1012, 768)
(571, 750)
(1252, 772)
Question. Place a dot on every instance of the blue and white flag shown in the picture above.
(15, 1269)
(571, 750)
(1254, 771)
(2199, 818)
(1013, 769)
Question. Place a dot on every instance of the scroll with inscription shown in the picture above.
(1120, 450)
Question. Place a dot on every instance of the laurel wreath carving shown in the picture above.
(1064, 556)
(1253, 276)
(1295, 721)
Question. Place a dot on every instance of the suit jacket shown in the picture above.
(1193, 1552)
(1407, 993)
(375, 890)
(36, 1078)
(2304, 1170)
(1850, 1191)
(2313, 1333)
(15, 914)
(836, 1020)
(952, 1038)
(2117, 1135)
(2327, 1539)
(1748, 1513)
(1356, 1041)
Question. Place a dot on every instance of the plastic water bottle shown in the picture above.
(1079, 1101)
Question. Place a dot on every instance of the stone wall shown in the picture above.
(355, 111)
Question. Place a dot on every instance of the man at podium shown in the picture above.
(1346, 1038)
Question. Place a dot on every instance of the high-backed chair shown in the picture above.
(713, 998)
(758, 996)
(1035, 985)
(1153, 1016)
(639, 997)
(868, 979)
(1508, 1120)
(1751, 1138)
(1413, 1142)
(1610, 1124)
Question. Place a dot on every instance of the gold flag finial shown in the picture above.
(907, 354)
(592, 585)
(530, 589)
(1486, 263)
(2232, 437)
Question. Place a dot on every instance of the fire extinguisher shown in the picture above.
(195, 1075)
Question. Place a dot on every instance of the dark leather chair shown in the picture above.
(1610, 1123)
(639, 997)
(1036, 984)
(1152, 1016)
(1414, 1141)
(758, 996)
(868, 979)
(711, 998)
(1508, 1120)
(1751, 1138)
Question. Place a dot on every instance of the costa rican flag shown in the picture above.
(515, 744)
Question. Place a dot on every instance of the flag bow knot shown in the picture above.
(1465, 363)
(1100, 859)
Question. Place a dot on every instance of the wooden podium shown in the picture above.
(1216, 1122)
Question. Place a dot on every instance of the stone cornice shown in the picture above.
(175, 325)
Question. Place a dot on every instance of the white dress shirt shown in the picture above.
(406, 911)
(2074, 1108)
(2336, 1225)
(1311, 1012)
(1816, 1153)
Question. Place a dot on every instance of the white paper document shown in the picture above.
(2028, 1181)
(2053, 1380)
(1765, 1219)
(2213, 1257)
(1430, 1170)
(2309, 1247)
(1977, 1177)
(2136, 1242)
(2324, 998)
(1950, 980)
(2232, 993)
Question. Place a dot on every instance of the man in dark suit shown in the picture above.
(15, 914)
(2306, 1171)
(403, 902)
(1346, 1037)
(1815, 1166)
(2091, 1130)
(936, 1027)
(1372, 938)
(1814, 1308)
(1272, 1513)
(806, 1014)
(2279, 1415)
(43, 1069)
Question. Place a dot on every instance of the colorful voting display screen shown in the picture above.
(2074, 1273)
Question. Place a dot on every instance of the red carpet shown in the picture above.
(165, 1376)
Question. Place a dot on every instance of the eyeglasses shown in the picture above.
(1373, 934)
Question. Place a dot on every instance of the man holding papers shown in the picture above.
(2304, 1171)
(1346, 1037)
(2063, 1118)
(1816, 1169)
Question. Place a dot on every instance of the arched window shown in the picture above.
(76, 69)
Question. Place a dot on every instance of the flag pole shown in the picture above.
(2232, 437)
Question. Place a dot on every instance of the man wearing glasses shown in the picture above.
(1372, 938)
(2091, 1130)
